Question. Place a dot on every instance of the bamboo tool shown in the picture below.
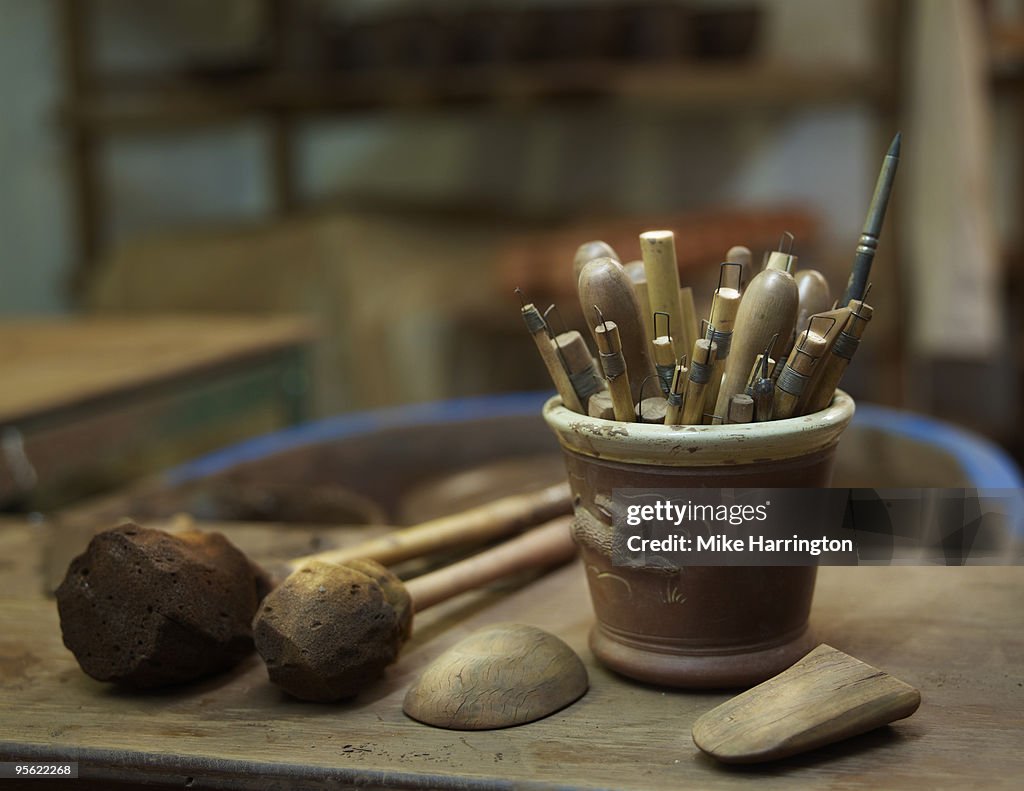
(825, 697)
(638, 277)
(814, 297)
(604, 283)
(541, 334)
(587, 252)
(741, 409)
(580, 365)
(658, 250)
(836, 361)
(328, 631)
(689, 315)
(702, 364)
(664, 356)
(809, 348)
(724, 304)
(676, 391)
(600, 405)
(105, 604)
(768, 308)
(757, 367)
(502, 675)
(868, 242)
(613, 364)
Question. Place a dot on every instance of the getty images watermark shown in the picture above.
(793, 527)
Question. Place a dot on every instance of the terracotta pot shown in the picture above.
(695, 626)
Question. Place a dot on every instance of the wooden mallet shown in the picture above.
(146, 608)
(329, 630)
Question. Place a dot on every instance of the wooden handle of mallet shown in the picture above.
(475, 525)
(542, 547)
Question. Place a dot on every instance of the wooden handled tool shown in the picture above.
(725, 302)
(814, 297)
(794, 377)
(328, 631)
(768, 308)
(702, 364)
(741, 409)
(541, 334)
(836, 361)
(658, 250)
(676, 392)
(582, 369)
(638, 277)
(603, 283)
(478, 525)
(587, 252)
(613, 364)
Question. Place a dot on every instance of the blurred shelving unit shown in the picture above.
(421, 63)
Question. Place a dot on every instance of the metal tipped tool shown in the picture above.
(868, 242)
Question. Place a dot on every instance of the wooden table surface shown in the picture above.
(51, 364)
(955, 633)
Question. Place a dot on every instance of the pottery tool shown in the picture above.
(604, 283)
(702, 365)
(829, 323)
(587, 252)
(789, 387)
(768, 308)
(741, 409)
(664, 354)
(146, 608)
(674, 399)
(658, 250)
(600, 405)
(738, 254)
(688, 314)
(502, 675)
(724, 304)
(868, 242)
(638, 277)
(542, 336)
(836, 361)
(762, 391)
(609, 347)
(579, 364)
(328, 631)
(825, 697)
(814, 297)
(652, 409)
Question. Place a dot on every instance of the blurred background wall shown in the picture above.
(394, 168)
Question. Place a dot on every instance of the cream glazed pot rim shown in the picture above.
(699, 446)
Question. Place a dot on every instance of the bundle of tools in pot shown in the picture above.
(772, 350)
(144, 608)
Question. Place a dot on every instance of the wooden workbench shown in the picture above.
(100, 401)
(955, 633)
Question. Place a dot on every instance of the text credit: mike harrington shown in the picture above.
(712, 529)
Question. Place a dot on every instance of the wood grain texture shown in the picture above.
(955, 633)
(768, 307)
(503, 675)
(604, 283)
(59, 364)
(825, 697)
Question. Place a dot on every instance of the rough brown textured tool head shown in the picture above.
(145, 608)
(328, 630)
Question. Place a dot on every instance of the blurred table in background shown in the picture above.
(88, 404)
